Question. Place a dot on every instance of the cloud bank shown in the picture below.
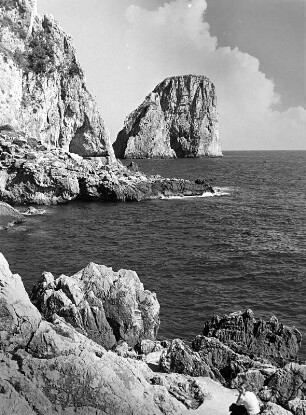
(174, 40)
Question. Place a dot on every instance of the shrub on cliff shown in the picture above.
(40, 54)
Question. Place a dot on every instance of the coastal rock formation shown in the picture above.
(178, 119)
(205, 357)
(29, 173)
(288, 384)
(279, 387)
(49, 122)
(43, 92)
(104, 305)
(9, 216)
(51, 368)
(246, 335)
(180, 358)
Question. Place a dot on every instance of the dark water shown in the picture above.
(245, 249)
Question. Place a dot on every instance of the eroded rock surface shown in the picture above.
(180, 358)
(29, 173)
(252, 352)
(246, 335)
(51, 368)
(104, 305)
(43, 91)
(178, 119)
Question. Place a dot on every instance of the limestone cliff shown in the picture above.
(178, 119)
(43, 92)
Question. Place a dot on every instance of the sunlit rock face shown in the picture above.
(178, 119)
(42, 86)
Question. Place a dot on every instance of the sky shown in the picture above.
(252, 50)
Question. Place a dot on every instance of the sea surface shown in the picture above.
(243, 248)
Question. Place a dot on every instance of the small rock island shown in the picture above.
(177, 119)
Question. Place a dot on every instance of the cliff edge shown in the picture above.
(177, 119)
(43, 92)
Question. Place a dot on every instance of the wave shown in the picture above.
(218, 191)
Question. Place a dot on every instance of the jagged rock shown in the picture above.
(31, 174)
(297, 406)
(183, 388)
(274, 409)
(105, 305)
(225, 363)
(43, 86)
(51, 368)
(256, 380)
(178, 119)
(9, 216)
(246, 335)
(289, 383)
(121, 348)
(147, 346)
(180, 358)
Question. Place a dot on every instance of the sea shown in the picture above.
(242, 248)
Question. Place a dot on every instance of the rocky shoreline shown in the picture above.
(87, 344)
(31, 174)
(83, 346)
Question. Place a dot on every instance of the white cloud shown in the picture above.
(175, 40)
(127, 50)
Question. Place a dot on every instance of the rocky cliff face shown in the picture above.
(178, 119)
(43, 92)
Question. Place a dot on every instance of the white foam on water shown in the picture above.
(223, 191)
(219, 191)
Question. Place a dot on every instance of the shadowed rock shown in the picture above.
(29, 173)
(180, 358)
(9, 216)
(43, 86)
(178, 119)
(289, 383)
(245, 335)
(106, 306)
(51, 368)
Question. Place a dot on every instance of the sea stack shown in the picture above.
(43, 92)
(178, 119)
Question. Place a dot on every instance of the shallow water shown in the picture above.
(243, 249)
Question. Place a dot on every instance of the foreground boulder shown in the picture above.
(178, 119)
(104, 305)
(43, 91)
(51, 368)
